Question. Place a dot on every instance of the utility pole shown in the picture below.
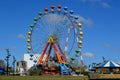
(7, 60)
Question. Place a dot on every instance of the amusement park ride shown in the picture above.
(61, 31)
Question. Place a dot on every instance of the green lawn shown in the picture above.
(43, 78)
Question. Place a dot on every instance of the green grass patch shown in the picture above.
(43, 77)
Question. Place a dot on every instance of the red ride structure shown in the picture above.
(57, 49)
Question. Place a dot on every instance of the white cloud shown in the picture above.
(10, 48)
(95, 0)
(21, 36)
(106, 45)
(116, 49)
(87, 22)
(13, 48)
(90, 0)
(60, 20)
(55, 19)
(98, 2)
(105, 5)
(88, 54)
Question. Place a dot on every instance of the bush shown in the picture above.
(2, 73)
(77, 72)
(34, 72)
(85, 73)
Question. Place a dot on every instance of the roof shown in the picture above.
(109, 63)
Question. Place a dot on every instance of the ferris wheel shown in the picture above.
(58, 31)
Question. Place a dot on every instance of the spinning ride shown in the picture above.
(56, 32)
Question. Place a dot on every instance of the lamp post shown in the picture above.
(7, 59)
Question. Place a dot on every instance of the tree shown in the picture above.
(2, 64)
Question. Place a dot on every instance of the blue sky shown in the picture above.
(101, 26)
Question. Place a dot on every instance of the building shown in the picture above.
(31, 60)
(21, 67)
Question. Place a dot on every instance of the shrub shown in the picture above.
(35, 72)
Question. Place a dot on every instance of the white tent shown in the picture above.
(109, 63)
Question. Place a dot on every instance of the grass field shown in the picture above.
(43, 78)
(110, 76)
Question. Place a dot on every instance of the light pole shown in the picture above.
(7, 59)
